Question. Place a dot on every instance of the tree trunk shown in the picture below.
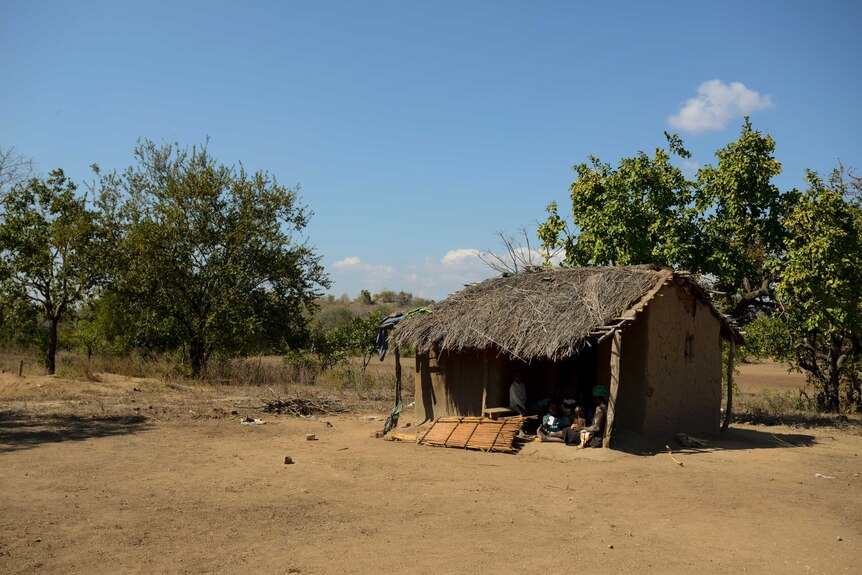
(197, 357)
(831, 395)
(51, 352)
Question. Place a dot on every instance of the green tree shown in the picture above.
(358, 337)
(332, 317)
(768, 336)
(210, 258)
(638, 212)
(726, 224)
(386, 296)
(741, 215)
(19, 318)
(402, 298)
(820, 286)
(49, 250)
(101, 325)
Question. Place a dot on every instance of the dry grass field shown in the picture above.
(138, 475)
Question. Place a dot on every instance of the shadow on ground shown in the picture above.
(23, 430)
(804, 420)
(733, 438)
(632, 444)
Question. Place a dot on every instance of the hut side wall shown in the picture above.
(683, 365)
(430, 387)
(464, 374)
(634, 392)
(452, 383)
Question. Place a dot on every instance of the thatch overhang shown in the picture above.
(545, 313)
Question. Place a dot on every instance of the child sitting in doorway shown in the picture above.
(553, 422)
(579, 418)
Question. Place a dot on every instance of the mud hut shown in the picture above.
(651, 335)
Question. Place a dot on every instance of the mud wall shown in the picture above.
(682, 391)
(452, 383)
(634, 392)
(429, 389)
(464, 373)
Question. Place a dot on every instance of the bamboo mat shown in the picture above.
(474, 433)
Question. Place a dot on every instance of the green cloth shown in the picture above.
(392, 420)
(416, 311)
(600, 391)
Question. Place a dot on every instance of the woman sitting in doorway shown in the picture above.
(582, 435)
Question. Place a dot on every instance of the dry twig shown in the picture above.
(675, 460)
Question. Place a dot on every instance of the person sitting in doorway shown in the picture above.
(592, 435)
(554, 421)
(579, 417)
(585, 435)
(518, 394)
(567, 394)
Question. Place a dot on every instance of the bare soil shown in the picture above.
(135, 476)
(768, 375)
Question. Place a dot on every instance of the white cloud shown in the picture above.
(459, 256)
(348, 263)
(716, 104)
(353, 263)
(557, 257)
(431, 277)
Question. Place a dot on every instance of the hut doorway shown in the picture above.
(570, 379)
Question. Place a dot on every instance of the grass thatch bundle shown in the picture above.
(539, 313)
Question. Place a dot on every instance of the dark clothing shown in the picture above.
(571, 436)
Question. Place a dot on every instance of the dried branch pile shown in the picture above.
(538, 313)
(301, 406)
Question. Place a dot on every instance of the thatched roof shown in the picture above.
(541, 313)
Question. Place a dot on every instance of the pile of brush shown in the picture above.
(301, 406)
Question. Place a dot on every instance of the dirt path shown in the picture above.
(139, 476)
(213, 496)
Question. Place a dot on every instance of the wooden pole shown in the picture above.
(728, 410)
(21, 368)
(616, 345)
(397, 375)
(484, 382)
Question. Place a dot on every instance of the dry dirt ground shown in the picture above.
(90, 484)
(753, 377)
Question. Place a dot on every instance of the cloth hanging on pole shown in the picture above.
(382, 341)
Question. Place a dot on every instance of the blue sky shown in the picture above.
(419, 129)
